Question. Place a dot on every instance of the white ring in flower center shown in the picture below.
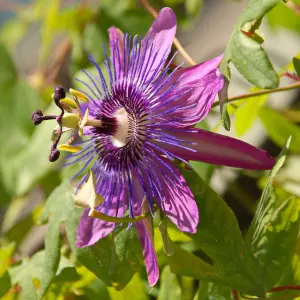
(119, 138)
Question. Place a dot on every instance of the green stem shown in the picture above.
(98, 215)
(259, 93)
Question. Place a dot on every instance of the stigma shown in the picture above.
(71, 118)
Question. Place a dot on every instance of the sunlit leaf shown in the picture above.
(113, 260)
(7, 70)
(5, 284)
(29, 273)
(135, 290)
(193, 6)
(282, 16)
(246, 53)
(211, 291)
(279, 128)
(5, 256)
(296, 63)
(169, 288)
(247, 113)
(219, 229)
(274, 230)
(49, 23)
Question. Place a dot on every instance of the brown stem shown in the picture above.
(293, 6)
(235, 294)
(285, 288)
(262, 92)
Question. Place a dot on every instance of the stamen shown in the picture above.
(79, 95)
(69, 102)
(69, 148)
(37, 117)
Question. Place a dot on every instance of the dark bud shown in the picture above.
(37, 117)
(59, 93)
(54, 155)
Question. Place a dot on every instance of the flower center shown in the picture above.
(121, 134)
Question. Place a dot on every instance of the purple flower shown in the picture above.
(141, 119)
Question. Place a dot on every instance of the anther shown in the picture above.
(54, 155)
(37, 117)
(59, 93)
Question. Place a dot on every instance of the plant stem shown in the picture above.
(259, 93)
(176, 42)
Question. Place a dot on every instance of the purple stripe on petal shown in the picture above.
(146, 239)
(171, 192)
(178, 201)
(199, 84)
(222, 150)
(145, 232)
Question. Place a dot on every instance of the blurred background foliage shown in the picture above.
(44, 43)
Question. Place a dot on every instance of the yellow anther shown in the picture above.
(69, 102)
(69, 148)
(79, 95)
(83, 122)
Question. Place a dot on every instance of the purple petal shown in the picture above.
(162, 33)
(218, 149)
(91, 230)
(178, 201)
(172, 194)
(145, 232)
(146, 239)
(204, 82)
(116, 35)
(116, 38)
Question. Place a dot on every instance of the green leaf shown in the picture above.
(7, 72)
(49, 23)
(268, 192)
(169, 288)
(93, 41)
(193, 6)
(211, 291)
(135, 290)
(6, 253)
(282, 16)
(18, 102)
(18, 232)
(246, 53)
(59, 209)
(247, 113)
(274, 230)
(113, 260)
(5, 284)
(185, 263)
(219, 236)
(35, 153)
(96, 289)
(30, 272)
(279, 128)
(296, 63)
(225, 118)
